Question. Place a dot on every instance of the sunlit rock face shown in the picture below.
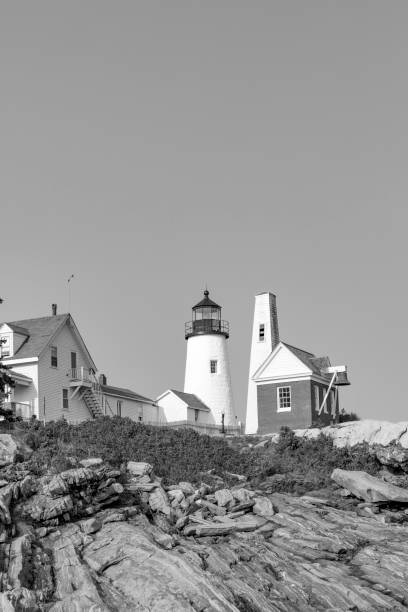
(381, 433)
(97, 539)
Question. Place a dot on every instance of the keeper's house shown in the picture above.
(287, 386)
(55, 376)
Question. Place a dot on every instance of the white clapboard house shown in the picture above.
(55, 376)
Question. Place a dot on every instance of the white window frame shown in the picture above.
(67, 398)
(284, 408)
(333, 402)
(325, 407)
(52, 356)
(317, 398)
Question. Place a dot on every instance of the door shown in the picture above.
(73, 361)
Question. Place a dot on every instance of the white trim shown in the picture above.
(278, 379)
(272, 356)
(128, 397)
(335, 369)
(172, 392)
(22, 360)
(286, 408)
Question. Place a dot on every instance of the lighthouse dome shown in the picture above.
(206, 319)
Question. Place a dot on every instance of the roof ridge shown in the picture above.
(297, 348)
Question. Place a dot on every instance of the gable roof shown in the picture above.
(191, 400)
(307, 358)
(40, 332)
(19, 330)
(313, 363)
(125, 393)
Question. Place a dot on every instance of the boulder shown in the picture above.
(394, 456)
(176, 495)
(242, 495)
(224, 497)
(186, 487)
(368, 487)
(78, 477)
(263, 507)
(159, 502)
(12, 449)
(91, 525)
(139, 468)
(5, 604)
(389, 433)
(91, 462)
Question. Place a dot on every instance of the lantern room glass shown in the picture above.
(207, 312)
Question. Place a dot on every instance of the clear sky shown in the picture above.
(151, 147)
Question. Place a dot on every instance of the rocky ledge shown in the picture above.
(92, 538)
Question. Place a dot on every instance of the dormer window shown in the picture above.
(5, 346)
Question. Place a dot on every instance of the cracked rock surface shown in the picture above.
(93, 539)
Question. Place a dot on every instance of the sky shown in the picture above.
(151, 147)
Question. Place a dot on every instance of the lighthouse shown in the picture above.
(207, 365)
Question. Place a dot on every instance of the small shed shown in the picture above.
(179, 406)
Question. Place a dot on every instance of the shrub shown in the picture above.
(184, 454)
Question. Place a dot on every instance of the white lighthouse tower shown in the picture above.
(265, 337)
(207, 364)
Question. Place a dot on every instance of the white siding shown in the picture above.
(53, 380)
(27, 394)
(259, 352)
(203, 416)
(173, 407)
(213, 389)
(132, 409)
(284, 363)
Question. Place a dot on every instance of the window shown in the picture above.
(196, 413)
(333, 403)
(213, 366)
(316, 395)
(284, 399)
(324, 391)
(54, 357)
(261, 332)
(73, 360)
(140, 419)
(5, 346)
(65, 399)
(119, 407)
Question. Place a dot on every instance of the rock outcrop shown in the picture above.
(374, 433)
(369, 488)
(95, 539)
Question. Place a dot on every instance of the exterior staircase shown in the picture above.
(93, 401)
(86, 384)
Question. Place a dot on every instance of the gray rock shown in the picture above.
(394, 456)
(91, 462)
(11, 449)
(139, 468)
(91, 525)
(242, 495)
(263, 507)
(224, 497)
(368, 487)
(159, 502)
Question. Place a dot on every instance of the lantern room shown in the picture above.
(206, 319)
